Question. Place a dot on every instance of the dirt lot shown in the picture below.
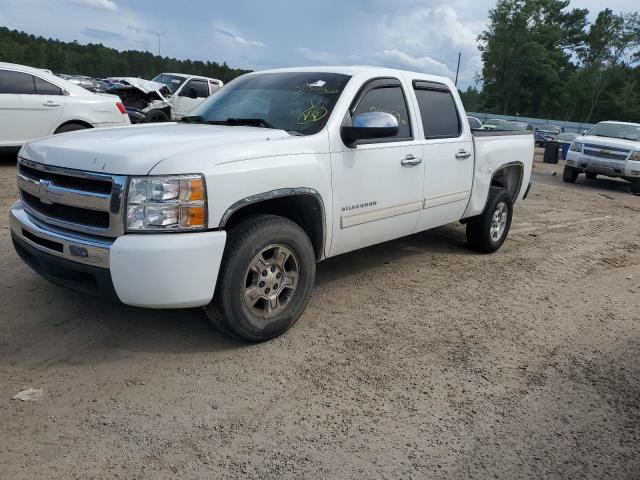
(415, 359)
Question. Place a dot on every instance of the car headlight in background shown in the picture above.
(576, 147)
(635, 156)
(166, 203)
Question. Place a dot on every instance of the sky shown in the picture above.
(419, 35)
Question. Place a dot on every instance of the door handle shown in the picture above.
(410, 161)
(51, 103)
(463, 154)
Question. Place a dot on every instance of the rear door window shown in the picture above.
(46, 88)
(438, 110)
(16, 82)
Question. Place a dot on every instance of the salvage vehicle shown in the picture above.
(493, 124)
(35, 103)
(611, 149)
(278, 170)
(169, 96)
(547, 133)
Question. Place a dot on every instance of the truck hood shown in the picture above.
(609, 142)
(135, 150)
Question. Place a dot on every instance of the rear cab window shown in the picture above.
(384, 95)
(440, 116)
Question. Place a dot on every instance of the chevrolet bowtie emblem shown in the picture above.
(605, 152)
(43, 192)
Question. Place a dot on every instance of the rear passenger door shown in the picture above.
(448, 155)
(29, 107)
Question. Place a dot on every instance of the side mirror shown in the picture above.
(370, 125)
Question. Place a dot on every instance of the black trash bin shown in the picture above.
(551, 152)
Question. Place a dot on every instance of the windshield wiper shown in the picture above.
(251, 122)
(193, 119)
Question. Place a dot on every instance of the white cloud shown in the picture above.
(106, 5)
(229, 33)
(424, 64)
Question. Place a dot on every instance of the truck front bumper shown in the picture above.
(612, 168)
(172, 270)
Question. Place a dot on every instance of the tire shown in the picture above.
(70, 127)
(255, 239)
(486, 233)
(155, 116)
(570, 174)
(635, 186)
(591, 175)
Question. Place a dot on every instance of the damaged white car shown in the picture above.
(168, 97)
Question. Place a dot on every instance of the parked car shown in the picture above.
(493, 124)
(169, 96)
(516, 126)
(611, 149)
(547, 133)
(474, 123)
(34, 103)
(232, 209)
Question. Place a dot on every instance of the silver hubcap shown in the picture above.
(498, 222)
(271, 280)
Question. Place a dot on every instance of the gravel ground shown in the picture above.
(414, 359)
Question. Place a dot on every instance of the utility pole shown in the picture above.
(158, 34)
(458, 69)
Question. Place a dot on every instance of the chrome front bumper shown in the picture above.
(82, 249)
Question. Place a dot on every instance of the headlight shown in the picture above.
(166, 203)
(576, 147)
(635, 156)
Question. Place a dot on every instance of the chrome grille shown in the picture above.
(74, 199)
(610, 153)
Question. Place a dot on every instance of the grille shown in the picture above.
(77, 183)
(67, 213)
(602, 151)
(72, 199)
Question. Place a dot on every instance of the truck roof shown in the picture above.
(364, 70)
(186, 75)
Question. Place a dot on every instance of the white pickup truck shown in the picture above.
(611, 149)
(276, 171)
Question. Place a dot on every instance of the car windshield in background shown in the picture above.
(512, 126)
(616, 130)
(171, 81)
(299, 102)
(550, 129)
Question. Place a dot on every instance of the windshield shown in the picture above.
(616, 130)
(298, 102)
(171, 81)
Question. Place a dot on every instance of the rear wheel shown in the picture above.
(487, 232)
(266, 278)
(155, 116)
(70, 127)
(570, 174)
(591, 175)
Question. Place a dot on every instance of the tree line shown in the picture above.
(543, 59)
(96, 60)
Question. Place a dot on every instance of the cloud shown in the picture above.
(424, 64)
(235, 38)
(100, 34)
(105, 5)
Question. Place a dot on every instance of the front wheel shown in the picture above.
(570, 174)
(266, 278)
(635, 186)
(487, 232)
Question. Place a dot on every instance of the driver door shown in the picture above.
(192, 94)
(377, 184)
